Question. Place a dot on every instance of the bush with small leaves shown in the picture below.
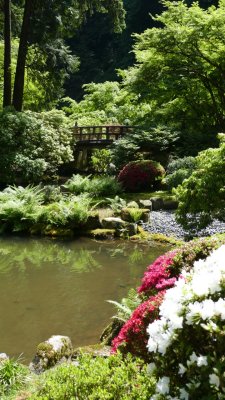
(140, 175)
(113, 378)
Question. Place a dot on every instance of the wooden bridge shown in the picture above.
(99, 136)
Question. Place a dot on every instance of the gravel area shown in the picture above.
(164, 222)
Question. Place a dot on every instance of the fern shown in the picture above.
(127, 306)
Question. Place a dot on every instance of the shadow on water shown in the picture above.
(61, 287)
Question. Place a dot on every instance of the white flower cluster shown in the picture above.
(191, 301)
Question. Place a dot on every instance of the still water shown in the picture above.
(60, 287)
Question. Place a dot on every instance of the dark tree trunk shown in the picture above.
(22, 55)
(7, 95)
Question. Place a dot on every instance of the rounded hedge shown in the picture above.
(140, 175)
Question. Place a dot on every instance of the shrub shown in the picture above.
(202, 196)
(178, 170)
(140, 175)
(112, 378)
(187, 342)
(33, 145)
(100, 161)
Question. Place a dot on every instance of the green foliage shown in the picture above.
(116, 203)
(126, 306)
(78, 184)
(97, 187)
(19, 207)
(178, 170)
(202, 196)
(69, 212)
(12, 377)
(33, 145)
(179, 71)
(135, 214)
(23, 209)
(100, 161)
(112, 378)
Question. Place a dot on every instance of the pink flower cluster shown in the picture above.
(158, 275)
(133, 335)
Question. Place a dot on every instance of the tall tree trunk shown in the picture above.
(22, 55)
(7, 95)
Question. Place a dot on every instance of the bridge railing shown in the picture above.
(100, 133)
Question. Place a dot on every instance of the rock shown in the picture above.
(111, 331)
(3, 357)
(93, 221)
(147, 204)
(53, 351)
(132, 204)
(97, 350)
(102, 234)
(135, 215)
(157, 203)
(131, 229)
(113, 223)
(170, 204)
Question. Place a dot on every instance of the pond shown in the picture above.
(60, 287)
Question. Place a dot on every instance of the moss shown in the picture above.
(57, 232)
(102, 233)
(143, 236)
(45, 349)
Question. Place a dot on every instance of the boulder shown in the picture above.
(97, 350)
(132, 204)
(102, 234)
(3, 357)
(113, 223)
(170, 204)
(157, 203)
(111, 331)
(93, 221)
(53, 351)
(147, 204)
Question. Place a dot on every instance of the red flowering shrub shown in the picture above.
(158, 275)
(133, 336)
(140, 175)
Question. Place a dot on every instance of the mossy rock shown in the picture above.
(111, 331)
(93, 221)
(97, 350)
(57, 232)
(51, 352)
(102, 234)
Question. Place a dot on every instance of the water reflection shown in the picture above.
(57, 287)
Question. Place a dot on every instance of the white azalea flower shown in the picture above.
(162, 385)
(182, 369)
(202, 360)
(184, 394)
(214, 380)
